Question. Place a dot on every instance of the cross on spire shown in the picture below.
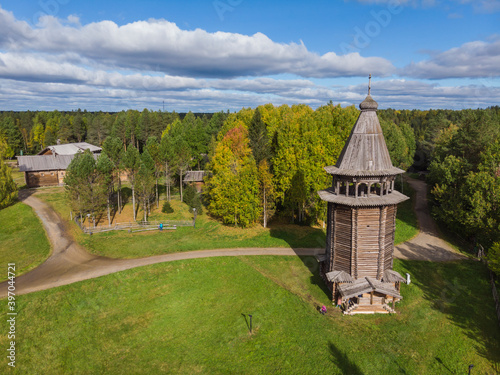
(369, 83)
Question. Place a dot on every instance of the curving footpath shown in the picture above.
(427, 245)
(70, 262)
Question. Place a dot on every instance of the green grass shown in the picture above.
(185, 317)
(406, 220)
(17, 176)
(22, 239)
(209, 233)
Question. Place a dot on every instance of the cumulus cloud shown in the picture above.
(162, 46)
(471, 60)
(61, 64)
(401, 93)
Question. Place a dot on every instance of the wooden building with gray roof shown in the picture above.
(361, 220)
(70, 149)
(195, 178)
(48, 168)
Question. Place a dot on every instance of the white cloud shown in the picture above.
(159, 45)
(471, 60)
(401, 93)
(61, 64)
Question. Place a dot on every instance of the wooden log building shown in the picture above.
(361, 221)
(196, 179)
(48, 168)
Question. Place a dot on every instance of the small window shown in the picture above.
(41, 174)
(51, 173)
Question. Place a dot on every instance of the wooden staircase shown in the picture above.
(355, 308)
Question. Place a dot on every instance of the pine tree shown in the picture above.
(113, 148)
(154, 150)
(132, 163)
(105, 168)
(145, 181)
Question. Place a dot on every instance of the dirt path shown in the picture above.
(426, 245)
(70, 262)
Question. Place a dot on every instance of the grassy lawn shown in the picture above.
(406, 220)
(22, 239)
(186, 317)
(208, 234)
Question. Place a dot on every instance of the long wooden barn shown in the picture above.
(361, 222)
(48, 168)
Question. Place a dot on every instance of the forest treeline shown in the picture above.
(268, 161)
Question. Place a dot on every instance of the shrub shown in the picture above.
(189, 194)
(167, 208)
(192, 198)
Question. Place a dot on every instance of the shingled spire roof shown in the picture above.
(365, 152)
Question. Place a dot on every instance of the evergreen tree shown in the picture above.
(154, 149)
(132, 164)
(98, 129)
(105, 168)
(145, 181)
(12, 134)
(79, 126)
(166, 156)
(144, 126)
(113, 148)
(259, 140)
(119, 130)
(66, 133)
(8, 188)
(84, 185)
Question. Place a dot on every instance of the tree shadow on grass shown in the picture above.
(342, 361)
(315, 278)
(25, 193)
(126, 195)
(461, 290)
(299, 237)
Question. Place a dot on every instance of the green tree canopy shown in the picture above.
(8, 188)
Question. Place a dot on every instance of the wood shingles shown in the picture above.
(362, 202)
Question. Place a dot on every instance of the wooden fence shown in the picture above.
(138, 226)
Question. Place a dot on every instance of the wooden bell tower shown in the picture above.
(361, 221)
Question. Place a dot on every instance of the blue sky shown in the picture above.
(214, 55)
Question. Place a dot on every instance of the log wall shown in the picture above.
(45, 178)
(342, 238)
(390, 231)
(360, 240)
(368, 229)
